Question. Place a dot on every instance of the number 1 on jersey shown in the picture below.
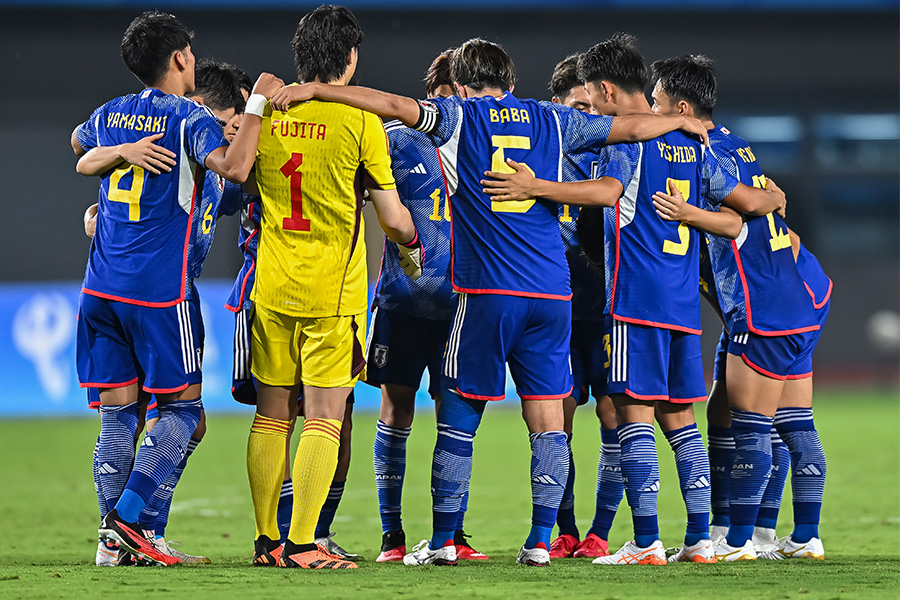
(295, 222)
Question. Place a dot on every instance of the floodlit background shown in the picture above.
(813, 86)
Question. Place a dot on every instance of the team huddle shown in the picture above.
(568, 242)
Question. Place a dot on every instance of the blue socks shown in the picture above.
(329, 509)
(609, 484)
(457, 421)
(155, 515)
(693, 475)
(749, 473)
(161, 451)
(565, 518)
(285, 509)
(389, 459)
(115, 449)
(98, 487)
(640, 474)
(549, 472)
(721, 458)
(774, 490)
(796, 428)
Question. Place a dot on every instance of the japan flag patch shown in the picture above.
(380, 356)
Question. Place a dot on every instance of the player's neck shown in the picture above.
(635, 104)
(708, 123)
(484, 93)
(171, 84)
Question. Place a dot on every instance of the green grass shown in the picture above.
(48, 519)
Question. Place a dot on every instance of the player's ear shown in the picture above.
(511, 88)
(460, 90)
(607, 89)
(180, 60)
(685, 109)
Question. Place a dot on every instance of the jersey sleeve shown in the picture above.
(202, 134)
(621, 163)
(375, 154)
(439, 118)
(87, 132)
(580, 131)
(233, 199)
(717, 179)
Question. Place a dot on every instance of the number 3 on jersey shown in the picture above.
(131, 196)
(498, 164)
(295, 222)
(680, 247)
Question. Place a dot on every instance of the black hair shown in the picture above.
(323, 42)
(149, 43)
(438, 73)
(217, 84)
(691, 78)
(244, 81)
(617, 61)
(480, 64)
(565, 77)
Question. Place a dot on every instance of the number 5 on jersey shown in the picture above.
(498, 164)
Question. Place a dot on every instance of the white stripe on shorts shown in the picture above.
(619, 370)
(450, 361)
(371, 332)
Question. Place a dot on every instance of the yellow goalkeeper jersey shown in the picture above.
(313, 163)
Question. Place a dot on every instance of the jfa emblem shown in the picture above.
(381, 355)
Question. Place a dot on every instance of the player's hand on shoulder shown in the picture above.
(515, 185)
(146, 154)
(670, 207)
(267, 85)
(696, 127)
(781, 211)
(90, 220)
(291, 94)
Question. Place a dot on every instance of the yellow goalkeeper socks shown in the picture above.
(314, 466)
(265, 467)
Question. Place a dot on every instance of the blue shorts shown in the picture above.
(117, 344)
(489, 331)
(651, 363)
(590, 359)
(779, 357)
(721, 354)
(400, 347)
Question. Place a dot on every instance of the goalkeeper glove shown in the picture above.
(412, 256)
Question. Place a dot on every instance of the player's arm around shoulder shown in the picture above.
(143, 153)
(385, 105)
(642, 128)
(234, 161)
(521, 184)
(724, 223)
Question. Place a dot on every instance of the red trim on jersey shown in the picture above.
(762, 371)
(612, 296)
(687, 400)
(547, 396)
(641, 397)
(108, 386)
(750, 325)
(250, 271)
(477, 397)
(818, 305)
(657, 325)
(94, 405)
(512, 293)
(90, 292)
(800, 376)
(166, 391)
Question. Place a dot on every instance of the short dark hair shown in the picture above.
(617, 61)
(217, 84)
(149, 43)
(323, 42)
(565, 77)
(480, 64)
(244, 81)
(691, 78)
(438, 73)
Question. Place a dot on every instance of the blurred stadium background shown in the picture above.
(812, 84)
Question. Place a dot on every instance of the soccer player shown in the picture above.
(411, 319)
(769, 351)
(653, 295)
(136, 316)
(508, 265)
(588, 347)
(309, 297)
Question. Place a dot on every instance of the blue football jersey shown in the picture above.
(816, 281)
(248, 240)
(220, 197)
(588, 286)
(652, 264)
(760, 289)
(512, 248)
(141, 248)
(420, 183)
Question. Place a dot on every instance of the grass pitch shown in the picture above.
(48, 519)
